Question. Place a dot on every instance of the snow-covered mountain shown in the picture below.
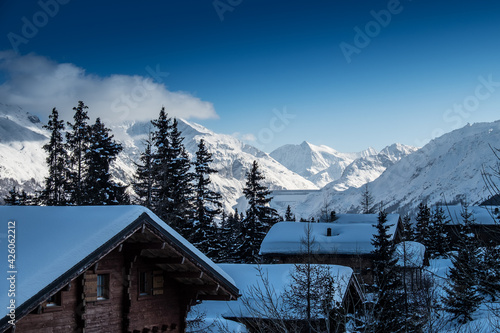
(447, 169)
(319, 164)
(22, 159)
(366, 169)
(232, 159)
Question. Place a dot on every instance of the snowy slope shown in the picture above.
(366, 169)
(22, 159)
(446, 169)
(21, 155)
(319, 164)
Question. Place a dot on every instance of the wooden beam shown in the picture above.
(185, 275)
(215, 297)
(207, 287)
(144, 246)
(164, 260)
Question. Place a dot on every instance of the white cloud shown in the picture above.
(38, 84)
(248, 137)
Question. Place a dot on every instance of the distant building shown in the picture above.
(346, 241)
(103, 269)
(411, 259)
(254, 282)
(292, 198)
(486, 223)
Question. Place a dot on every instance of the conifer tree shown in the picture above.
(54, 193)
(438, 238)
(172, 190)
(367, 201)
(161, 173)
(462, 294)
(143, 179)
(99, 188)
(230, 237)
(408, 233)
(422, 233)
(180, 188)
(489, 272)
(207, 204)
(77, 144)
(259, 215)
(289, 215)
(16, 198)
(388, 307)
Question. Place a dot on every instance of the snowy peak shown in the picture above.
(397, 151)
(319, 164)
(22, 159)
(368, 168)
(18, 125)
(448, 169)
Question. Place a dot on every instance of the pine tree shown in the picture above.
(171, 195)
(16, 198)
(180, 190)
(489, 272)
(259, 216)
(77, 144)
(439, 243)
(207, 204)
(289, 215)
(422, 232)
(54, 193)
(143, 179)
(99, 188)
(389, 302)
(367, 201)
(230, 238)
(408, 233)
(161, 173)
(462, 294)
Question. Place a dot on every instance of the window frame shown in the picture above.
(103, 288)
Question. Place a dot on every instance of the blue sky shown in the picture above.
(348, 74)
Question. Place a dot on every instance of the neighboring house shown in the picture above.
(486, 226)
(103, 269)
(411, 259)
(262, 304)
(346, 241)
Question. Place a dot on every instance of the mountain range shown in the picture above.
(399, 176)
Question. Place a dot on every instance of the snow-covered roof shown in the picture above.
(247, 278)
(410, 253)
(52, 240)
(482, 214)
(350, 234)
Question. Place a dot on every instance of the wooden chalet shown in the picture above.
(346, 242)
(486, 225)
(254, 309)
(104, 269)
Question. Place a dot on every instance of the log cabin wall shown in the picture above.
(125, 310)
(162, 309)
(55, 319)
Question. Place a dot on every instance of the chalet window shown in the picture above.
(151, 282)
(54, 300)
(329, 232)
(145, 283)
(102, 286)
